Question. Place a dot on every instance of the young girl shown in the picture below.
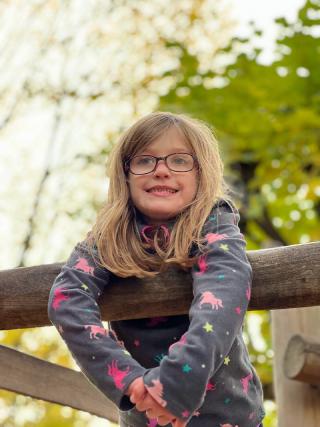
(166, 206)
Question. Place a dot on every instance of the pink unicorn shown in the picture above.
(83, 265)
(210, 386)
(210, 298)
(212, 237)
(58, 297)
(245, 382)
(117, 374)
(202, 264)
(96, 329)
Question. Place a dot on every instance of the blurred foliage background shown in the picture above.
(73, 77)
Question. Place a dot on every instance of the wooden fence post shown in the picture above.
(298, 402)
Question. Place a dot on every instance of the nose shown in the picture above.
(161, 169)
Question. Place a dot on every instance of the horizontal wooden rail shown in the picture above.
(31, 376)
(283, 277)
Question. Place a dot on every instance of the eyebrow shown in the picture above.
(172, 151)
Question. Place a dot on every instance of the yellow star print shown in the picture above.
(224, 247)
(84, 286)
(226, 360)
(208, 327)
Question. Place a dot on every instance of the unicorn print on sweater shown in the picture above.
(117, 374)
(209, 298)
(95, 330)
(82, 264)
(58, 297)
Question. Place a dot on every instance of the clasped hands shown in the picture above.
(144, 402)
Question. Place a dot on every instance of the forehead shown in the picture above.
(171, 140)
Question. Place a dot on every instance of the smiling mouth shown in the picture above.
(162, 191)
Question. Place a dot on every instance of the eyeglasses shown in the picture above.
(176, 162)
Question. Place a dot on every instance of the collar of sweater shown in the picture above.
(147, 231)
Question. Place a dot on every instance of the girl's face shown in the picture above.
(162, 194)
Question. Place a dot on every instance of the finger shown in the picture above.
(156, 411)
(144, 404)
(137, 396)
(150, 413)
(164, 420)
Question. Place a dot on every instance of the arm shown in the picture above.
(221, 288)
(74, 311)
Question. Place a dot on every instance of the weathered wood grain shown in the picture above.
(31, 376)
(283, 277)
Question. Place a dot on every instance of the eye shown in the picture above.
(180, 159)
(143, 160)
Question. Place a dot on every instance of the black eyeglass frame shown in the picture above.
(127, 163)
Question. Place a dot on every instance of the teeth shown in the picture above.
(162, 190)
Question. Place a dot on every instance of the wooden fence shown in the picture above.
(283, 277)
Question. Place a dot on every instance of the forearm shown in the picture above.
(221, 288)
(74, 311)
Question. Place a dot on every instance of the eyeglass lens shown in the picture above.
(177, 162)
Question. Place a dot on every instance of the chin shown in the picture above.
(160, 216)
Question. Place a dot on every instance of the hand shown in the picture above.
(145, 402)
(154, 410)
(136, 390)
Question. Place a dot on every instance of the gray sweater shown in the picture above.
(197, 365)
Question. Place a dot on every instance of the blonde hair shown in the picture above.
(115, 234)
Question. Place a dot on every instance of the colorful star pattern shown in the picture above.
(224, 247)
(208, 327)
(226, 360)
(84, 286)
(186, 368)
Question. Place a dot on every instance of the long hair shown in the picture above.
(115, 235)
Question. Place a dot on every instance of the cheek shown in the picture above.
(134, 189)
(194, 184)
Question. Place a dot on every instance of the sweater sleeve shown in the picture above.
(73, 309)
(221, 291)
